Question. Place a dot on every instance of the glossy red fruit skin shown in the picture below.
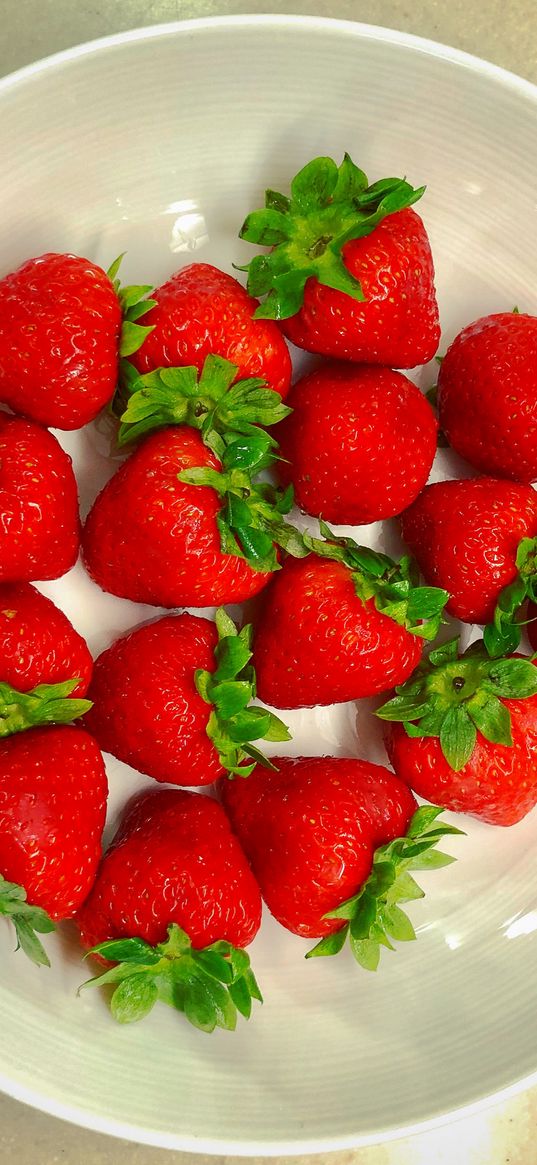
(146, 709)
(152, 539)
(397, 324)
(38, 644)
(310, 828)
(532, 626)
(60, 322)
(202, 310)
(359, 444)
(199, 876)
(40, 524)
(464, 536)
(498, 784)
(53, 792)
(487, 395)
(316, 642)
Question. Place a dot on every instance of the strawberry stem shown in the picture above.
(27, 920)
(45, 704)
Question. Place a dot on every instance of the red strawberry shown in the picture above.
(154, 537)
(202, 311)
(171, 699)
(38, 644)
(342, 624)
(463, 731)
(39, 530)
(487, 395)
(60, 323)
(476, 538)
(317, 831)
(351, 273)
(359, 444)
(53, 792)
(201, 892)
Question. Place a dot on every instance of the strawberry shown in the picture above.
(331, 842)
(463, 731)
(53, 792)
(359, 444)
(38, 644)
(174, 527)
(171, 699)
(344, 623)
(487, 395)
(60, 324)
(39, 532)
(478, 539)
(202, 311)
(351, 273)
(177, 935)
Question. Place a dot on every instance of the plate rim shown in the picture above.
(527, 89)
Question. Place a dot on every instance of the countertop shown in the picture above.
(505, 33)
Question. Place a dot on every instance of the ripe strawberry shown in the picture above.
(201, 893)
(171, 699)
(175, 528)
(60, 324)
(351, 273)
(478, 540)
(39, 531)
(330, 841)
(53, 792)
(38, 644)
(359, 444)
(344, 623)
(463, 731)
(202, 311)
(487, 395)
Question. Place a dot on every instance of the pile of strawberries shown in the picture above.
(199, 514)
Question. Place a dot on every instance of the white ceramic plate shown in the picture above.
(158, 142)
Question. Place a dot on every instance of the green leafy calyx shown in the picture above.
(251, 519)
(134, 305)
(46, 704)
(393, 586)
(329, 206)
(504, 633)
(373, 916)
(27, 920)
(209, 402)
(233, 725)
(211, 986)
(454, 697)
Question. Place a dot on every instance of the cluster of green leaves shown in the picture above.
(373, 916)
(329, 206)
(27, 920)
(454, 697)
(393, 586)
(211, 986)
(504, 633)
(233, 725)
(134, 305)
(209, 401)
(45, 704)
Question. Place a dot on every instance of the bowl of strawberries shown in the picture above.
(268, 583)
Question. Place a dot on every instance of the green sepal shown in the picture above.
(210, 986)
(251, 519)
(28, 921)
(45, 704)
(503, 635)
(233, 724)
(393, 586)
(134, 305)
(454, 697)
(373, 916)
(211, 402)
(329, 206)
